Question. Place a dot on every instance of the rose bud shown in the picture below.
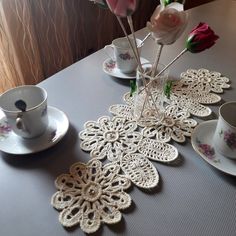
(168, 23)
(122, 8)
(201, 38)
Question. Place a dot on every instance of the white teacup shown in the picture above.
(225, 134)
(25, 108)
(121, 52)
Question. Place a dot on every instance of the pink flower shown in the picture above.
(167, 23)
(201, 38)
(230, 139)
(207, 150)
(122, 8)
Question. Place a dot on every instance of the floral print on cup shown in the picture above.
(208, 151)
(125, 56)
(230, 138)
(5, 129)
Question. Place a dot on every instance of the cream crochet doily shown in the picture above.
(118, 139)
(189, 97)
(93, 193)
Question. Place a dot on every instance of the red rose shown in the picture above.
(201, 38)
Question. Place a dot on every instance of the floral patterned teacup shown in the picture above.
(25, 108)
(121, 52)
(225, 133)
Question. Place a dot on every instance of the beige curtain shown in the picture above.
(40, 37)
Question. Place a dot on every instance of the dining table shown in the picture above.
(192, 196)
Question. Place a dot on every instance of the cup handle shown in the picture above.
(20, 125)
(108, 49)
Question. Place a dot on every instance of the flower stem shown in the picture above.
(174, 60)
(166, 67)
(145, 38)
(148, 93)
(130, 43)
(158, 55)
(130, 21)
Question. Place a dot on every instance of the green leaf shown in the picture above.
(133, 87)
(167, 89)
(167, 2)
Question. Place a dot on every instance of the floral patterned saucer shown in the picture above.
(13, 144)
(202, 142)
(109, 67)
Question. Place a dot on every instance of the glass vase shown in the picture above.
(149, 96)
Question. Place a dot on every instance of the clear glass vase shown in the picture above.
(149, 96)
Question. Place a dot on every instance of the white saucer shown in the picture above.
(13, 144)
(202, 142)
(109, 67)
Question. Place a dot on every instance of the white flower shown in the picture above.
(168, 23)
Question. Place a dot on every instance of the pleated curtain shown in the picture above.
(41, 37)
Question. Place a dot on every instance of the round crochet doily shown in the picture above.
(176, 125)
(110, 137)
(118, 139)
(91, 194)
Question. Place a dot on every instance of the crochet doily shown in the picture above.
(140, 170)
(91, 194)
(117, 139)
(189, 96)
(203, 80)
(110, 138)
(175, 125)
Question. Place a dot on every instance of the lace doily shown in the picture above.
(190, 95)
(203, 80)
(91, 194)
(110, 137)
(198, 87)
(190, 105)
(117, 139)
(140, 170)
(175, 125)
(182, 101)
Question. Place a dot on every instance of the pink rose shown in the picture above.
(122, 8)
(167, 23)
